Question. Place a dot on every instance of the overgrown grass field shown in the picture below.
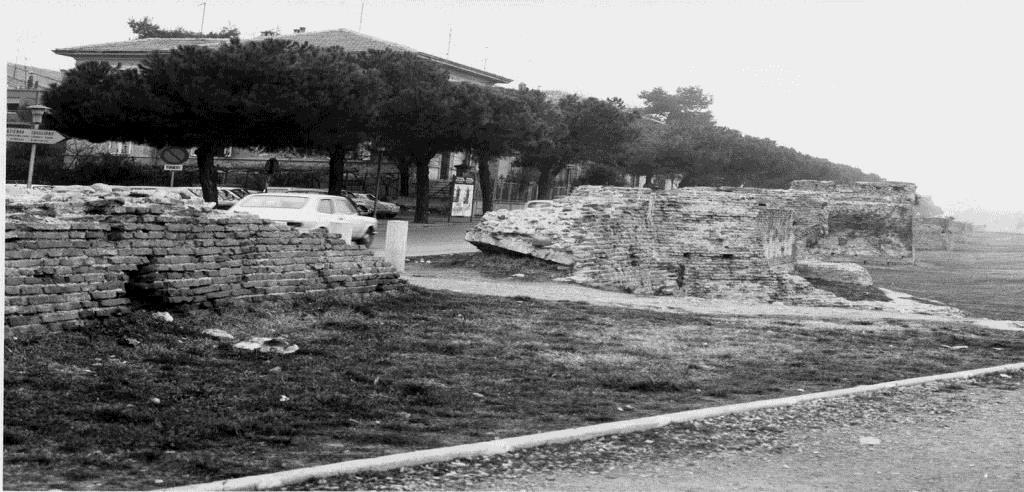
(141, 400)
(983, 276)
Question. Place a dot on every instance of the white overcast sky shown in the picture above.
(930, 92)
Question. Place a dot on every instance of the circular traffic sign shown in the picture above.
(173, 155)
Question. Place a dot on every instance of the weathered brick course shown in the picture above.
(94, 260)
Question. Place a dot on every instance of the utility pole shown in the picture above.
(202, 23)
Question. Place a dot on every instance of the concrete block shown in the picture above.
(396, 245)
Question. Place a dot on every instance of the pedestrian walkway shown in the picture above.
(438, 238)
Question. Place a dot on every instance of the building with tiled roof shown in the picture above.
(131, 53)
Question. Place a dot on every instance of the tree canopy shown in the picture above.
(415, 118)
(146, 28)
(264, 94)
(573, 130)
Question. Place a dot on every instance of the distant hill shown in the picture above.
(18, 75)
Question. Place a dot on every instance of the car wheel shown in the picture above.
(367, 238)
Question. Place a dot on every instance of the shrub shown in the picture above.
(602, 175)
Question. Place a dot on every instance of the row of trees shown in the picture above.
(680, 140)
(281, 95)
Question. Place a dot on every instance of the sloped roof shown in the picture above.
(146, 45)
(349, 40)
(17, 75)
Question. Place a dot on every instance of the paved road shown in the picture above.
(969, 439)
(439, 238)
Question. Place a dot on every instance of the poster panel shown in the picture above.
(462, 199)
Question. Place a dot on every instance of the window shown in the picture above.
(446, 164)
(228, 151)
(345, 207)
(119, 148)
(273, 201)
(325, 207)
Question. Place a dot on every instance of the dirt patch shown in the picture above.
(495, 265)
(851, 292)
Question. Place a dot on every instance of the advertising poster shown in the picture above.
(462, 197)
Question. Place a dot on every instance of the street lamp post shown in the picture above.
(38, 110)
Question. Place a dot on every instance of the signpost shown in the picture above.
(173, 157)
(42, 137)
(34, 136)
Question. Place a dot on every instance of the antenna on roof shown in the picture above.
(448, 52)
(202, 22)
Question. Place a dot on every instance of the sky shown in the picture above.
(930, 92)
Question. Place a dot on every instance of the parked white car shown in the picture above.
(309, 211)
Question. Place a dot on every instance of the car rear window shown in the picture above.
(343, 206)
(272, 201)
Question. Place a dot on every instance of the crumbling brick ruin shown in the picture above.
(75, 256)
(939, 233)
(708, 242)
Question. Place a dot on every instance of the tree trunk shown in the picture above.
(403, 178)
(207, 172)
(336, 171)
(422, 192)
(544, 183)
(486, 186)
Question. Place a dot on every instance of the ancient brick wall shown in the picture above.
(939, 233)
(649, 242)
(859, 222)
(88, 263)
(707, 241)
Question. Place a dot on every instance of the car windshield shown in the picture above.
(272, 201)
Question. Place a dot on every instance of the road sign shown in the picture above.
(173, 167)
(173, 155)
(27, 135)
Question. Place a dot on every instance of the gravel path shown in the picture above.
(468, 281)
(950, 436)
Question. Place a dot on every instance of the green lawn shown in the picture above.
(984, 276)
(140, 400)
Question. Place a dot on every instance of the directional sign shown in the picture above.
(26, 135)
(173, 167)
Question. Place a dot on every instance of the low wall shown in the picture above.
(71, 260)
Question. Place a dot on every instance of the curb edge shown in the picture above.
(500, 446)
